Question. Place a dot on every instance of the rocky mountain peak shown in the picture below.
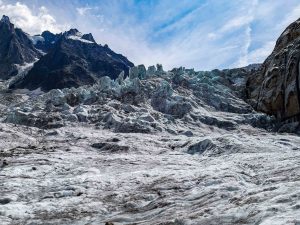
(74, 34)
(5, 19)
(16, 49)
(289, 35)
(72, 31)
(6, 24)
(88, 37)
(72, 59)
(48, 35)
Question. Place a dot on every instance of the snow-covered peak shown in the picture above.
(74, 34)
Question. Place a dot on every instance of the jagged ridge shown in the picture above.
(15, 49)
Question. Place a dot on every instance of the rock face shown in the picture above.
(15, 49)
(274, 88)
(46, 41)
(74, 60)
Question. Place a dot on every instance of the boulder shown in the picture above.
(57, 97)
(81, 113)
(72, 118)
(201, 146)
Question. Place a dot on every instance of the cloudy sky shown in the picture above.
(200, 34)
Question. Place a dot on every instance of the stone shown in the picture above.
(72, 99)
(66, 107)
(201, 146)
(4, 201)
(57, 97)
(109, 223)
(110, 147)
(114, 140)
(80, 109)
(72, 118)
(52, 133)
(148, 118)
(4, 163)
(82, 117)
(188, 133)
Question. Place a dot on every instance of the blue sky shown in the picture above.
(200, 34)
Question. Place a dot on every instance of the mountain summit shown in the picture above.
(5, 19)
(75, 59)
(15, 49)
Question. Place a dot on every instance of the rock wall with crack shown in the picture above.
(274, 88)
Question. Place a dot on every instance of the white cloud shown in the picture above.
(212, 36)
(244, 59)
(291, 17)
(270, 14)
(236, 23)
(260, 54)
(83, 10)
(34, 23)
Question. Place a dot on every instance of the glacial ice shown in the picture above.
(157, 147)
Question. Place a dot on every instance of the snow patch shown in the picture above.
(78, 38)
(36, 38)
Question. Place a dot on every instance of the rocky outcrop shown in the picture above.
(16, 48)
(46, 41)
(274, 88)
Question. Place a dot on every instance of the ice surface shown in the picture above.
(62, 179)
(177, 147)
